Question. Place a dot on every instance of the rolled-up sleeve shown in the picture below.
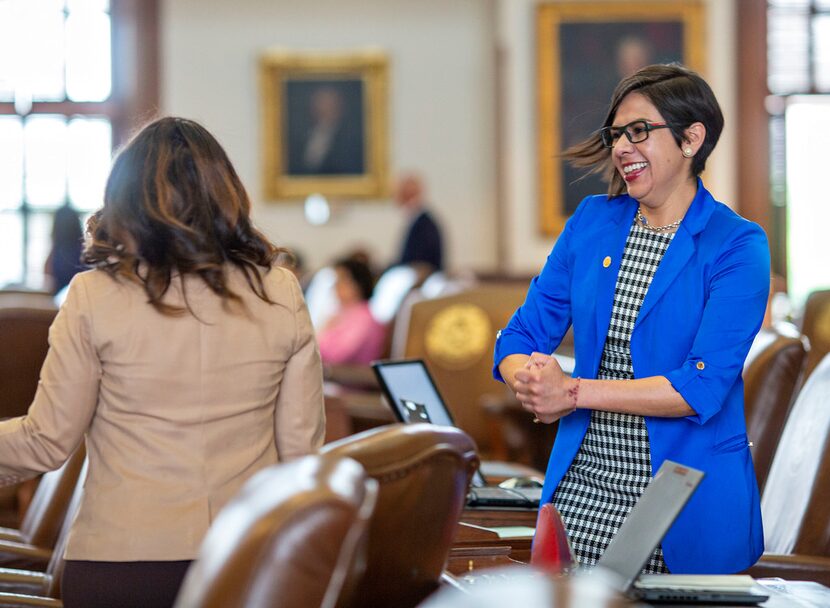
(544, 317)
(300, 418)
(65, 400)
(732, 316)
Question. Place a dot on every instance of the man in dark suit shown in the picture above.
(423, 242)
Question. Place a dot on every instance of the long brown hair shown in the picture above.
(173, 203)
(680, 95)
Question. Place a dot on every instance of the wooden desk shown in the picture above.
(476, 547)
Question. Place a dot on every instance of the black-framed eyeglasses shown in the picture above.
(636, 131)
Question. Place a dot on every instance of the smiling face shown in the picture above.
(656, 172)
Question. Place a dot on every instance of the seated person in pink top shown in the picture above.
(352, 335)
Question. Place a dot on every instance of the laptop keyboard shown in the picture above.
(502, 497)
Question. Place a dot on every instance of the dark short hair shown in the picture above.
(680, 95)
(360, 273)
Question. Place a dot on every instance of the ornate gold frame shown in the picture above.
(548, 78)
(372, 68)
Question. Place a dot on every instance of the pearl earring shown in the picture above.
(687, 152)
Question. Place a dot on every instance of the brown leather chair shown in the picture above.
(29, 588)
(423, 472)
(24, 338)
(770, 382)
(24, 334)
(816, 326)
(796, 500)
(31, 545)
(290, 539)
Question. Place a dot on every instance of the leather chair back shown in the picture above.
(423, 472)
(796, 499)
(455, 335)
(290, 539)
(44, 518)
(816, 326)
(770, 382)
(27, 298)
(24, 334)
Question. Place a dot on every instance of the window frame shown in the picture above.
(135, 89)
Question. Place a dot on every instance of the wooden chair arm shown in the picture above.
(23, 555)
(16, 599)
(793, 567)
(10, 534)
(25, 582)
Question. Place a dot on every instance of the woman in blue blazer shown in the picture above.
(665, 288)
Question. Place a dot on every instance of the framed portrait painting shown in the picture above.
(583, 49)
(324, 124)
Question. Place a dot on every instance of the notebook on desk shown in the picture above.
(414, 397)
(642, 531)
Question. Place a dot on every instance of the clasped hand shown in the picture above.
(541, 388)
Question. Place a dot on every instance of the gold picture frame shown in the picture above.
(324, 124)
(582, 50)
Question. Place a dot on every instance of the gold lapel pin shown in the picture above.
(606, 262)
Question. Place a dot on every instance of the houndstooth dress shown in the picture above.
(613, 465)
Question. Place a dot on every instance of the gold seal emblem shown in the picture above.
(458, 336)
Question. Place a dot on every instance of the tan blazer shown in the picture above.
(178, 411)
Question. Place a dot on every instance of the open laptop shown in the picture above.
(413, 396)
(644, 528)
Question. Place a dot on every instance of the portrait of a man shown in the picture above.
(325, 127)
(595, 57)
(583, 50)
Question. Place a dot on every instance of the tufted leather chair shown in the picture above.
(816, 326)
(290, 539)
(770, 382)
(423, 472)
(31, 545)
(796, 499)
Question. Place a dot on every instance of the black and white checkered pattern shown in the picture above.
(613, 465)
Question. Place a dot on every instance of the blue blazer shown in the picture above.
(696, 324)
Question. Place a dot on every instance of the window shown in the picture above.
(798, 78)
(61, 112)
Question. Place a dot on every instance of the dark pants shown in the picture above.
(88, 584)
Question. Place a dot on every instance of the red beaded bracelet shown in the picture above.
(573, 392)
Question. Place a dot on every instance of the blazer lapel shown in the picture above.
(609, 249)
(680, 251)
(677, 255)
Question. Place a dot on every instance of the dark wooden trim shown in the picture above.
(98, 108)
(135, 59)
(752, 120)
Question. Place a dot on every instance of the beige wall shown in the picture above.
(440, 106)
(442, 110)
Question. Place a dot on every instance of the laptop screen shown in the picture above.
(412, 394)
(649, 520)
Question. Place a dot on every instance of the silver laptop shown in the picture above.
(642, 531)
(414, 397)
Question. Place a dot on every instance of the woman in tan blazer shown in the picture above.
(186, 359)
